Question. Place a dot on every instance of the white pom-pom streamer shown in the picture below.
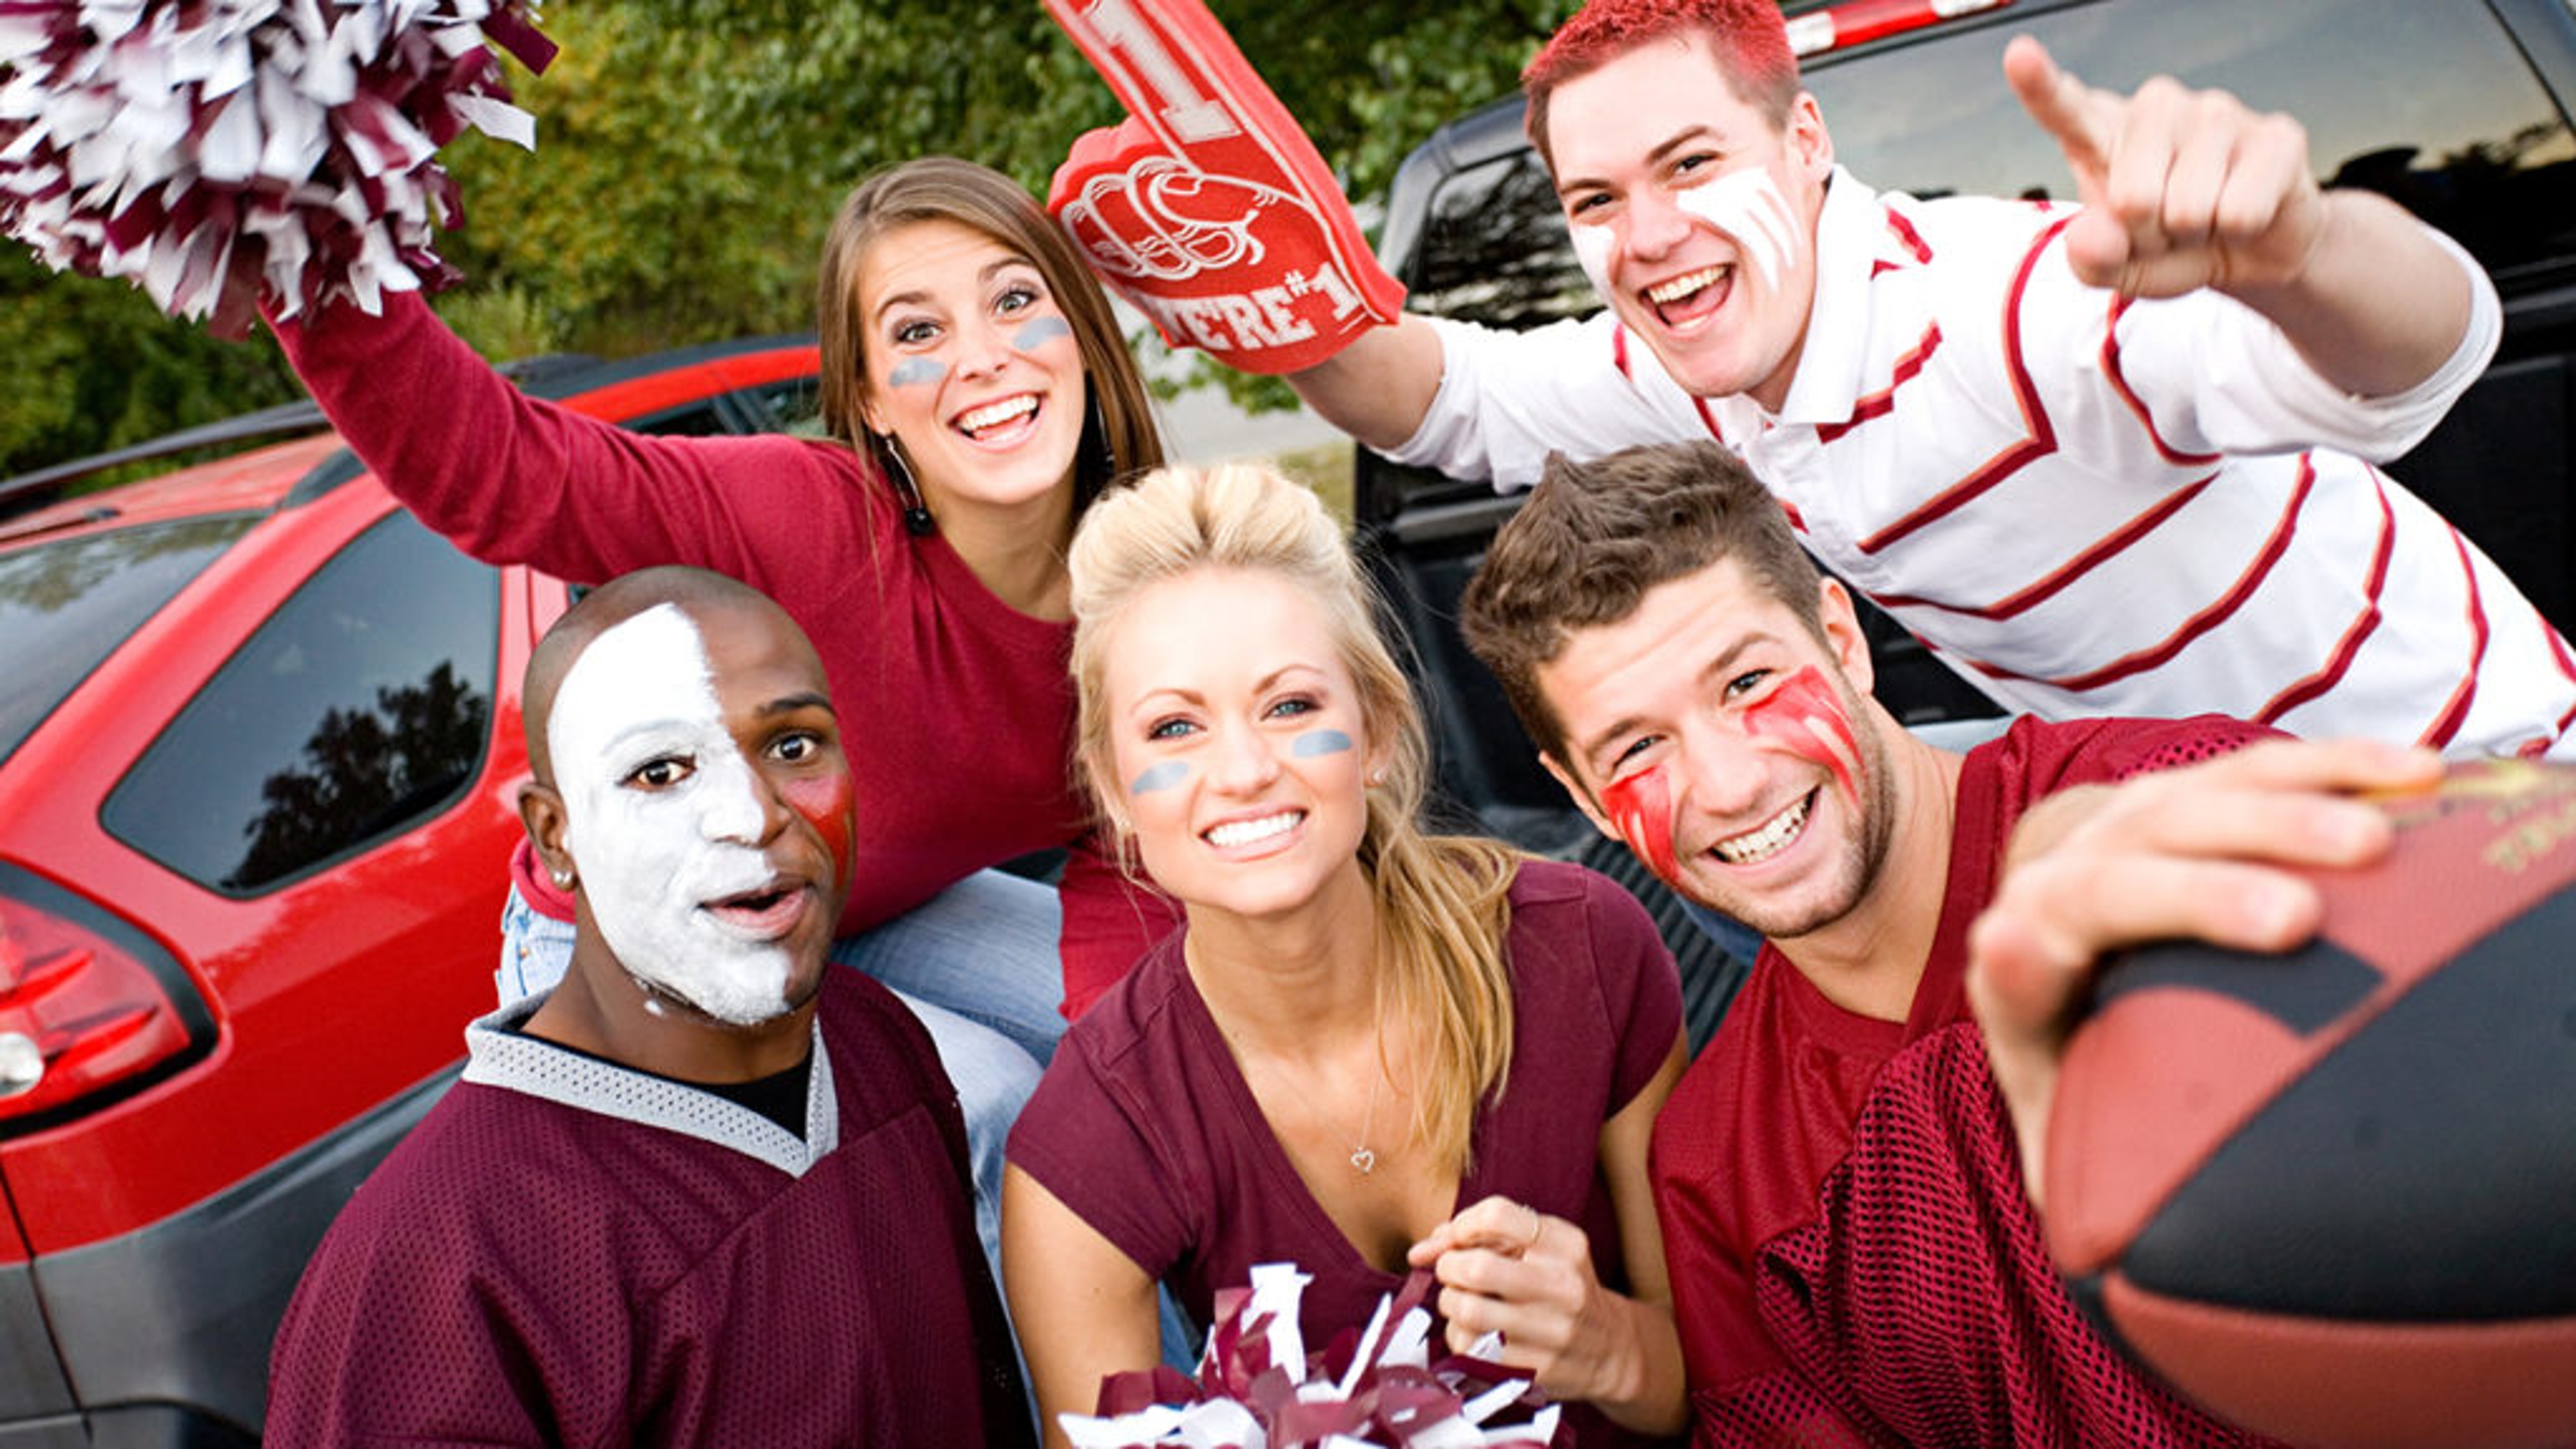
(1258, 1387)
(219, 153)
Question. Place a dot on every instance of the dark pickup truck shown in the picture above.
(2457, 108)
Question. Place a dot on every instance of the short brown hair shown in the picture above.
(1748, 39)
(1596, 537)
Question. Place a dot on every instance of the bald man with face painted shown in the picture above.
(705, 1191)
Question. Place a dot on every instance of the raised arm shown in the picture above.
(2186, 189)
(1082, 1309)
(512, 479)
(2193, 852)
(1379, 388)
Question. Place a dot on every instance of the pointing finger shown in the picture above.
(2080, 117)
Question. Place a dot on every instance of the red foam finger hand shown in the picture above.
(1209, 208)
(1095, 198)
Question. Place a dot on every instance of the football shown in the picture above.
(2330, 1195)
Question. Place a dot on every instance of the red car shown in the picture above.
(259, 753)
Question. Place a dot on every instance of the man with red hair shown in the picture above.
(2104, 460)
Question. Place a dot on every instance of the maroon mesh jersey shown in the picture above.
(1854, 1261)
(568, 1252)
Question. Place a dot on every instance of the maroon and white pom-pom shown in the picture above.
(221, 152)
(1258, 1388)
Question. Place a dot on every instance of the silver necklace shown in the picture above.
(1361, 1157)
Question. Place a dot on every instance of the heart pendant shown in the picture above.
(1365, 1161)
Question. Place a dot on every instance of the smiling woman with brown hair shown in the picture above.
(978, 396)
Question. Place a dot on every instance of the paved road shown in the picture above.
(1202, 427)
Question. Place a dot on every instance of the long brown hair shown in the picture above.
(1443, 905)
(944, 188)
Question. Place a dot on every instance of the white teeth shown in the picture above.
(975, 420)
(1761, 844)
(1680, 287)
(1245, 832)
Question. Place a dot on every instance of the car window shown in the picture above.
(361, 706)
(66, 605)
(699, 419)
(790, 405)
(1494, 249)
(2429, 104)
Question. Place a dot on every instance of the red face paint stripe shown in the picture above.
(1805, 716)
(1641, 805)
(829, 805)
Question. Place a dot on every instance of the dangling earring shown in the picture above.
(1098, 462)
(916, 516)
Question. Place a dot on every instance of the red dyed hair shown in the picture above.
(1748, 39)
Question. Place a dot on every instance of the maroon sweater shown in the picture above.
(957, 709)
(1853, 1258)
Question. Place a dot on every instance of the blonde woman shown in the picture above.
(1370, 1048)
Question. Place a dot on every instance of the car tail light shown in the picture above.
(91, 1010)
(1856, 21)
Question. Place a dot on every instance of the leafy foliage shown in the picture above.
(691, 152)
(94, 366)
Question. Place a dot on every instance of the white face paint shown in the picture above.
(1748, 207)
(1743, 204)
(1592, 249)
(650, 855)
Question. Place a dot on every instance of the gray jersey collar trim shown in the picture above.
(497, 1057)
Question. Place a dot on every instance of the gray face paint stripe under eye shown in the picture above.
(1040, 331)
(1162, 777)
(917, 372)
(1319, 742)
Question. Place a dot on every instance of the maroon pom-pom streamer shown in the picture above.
(221, 153)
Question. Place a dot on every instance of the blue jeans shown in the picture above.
(976, 963)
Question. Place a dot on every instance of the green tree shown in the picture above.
(94, 366)
(691, 152)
